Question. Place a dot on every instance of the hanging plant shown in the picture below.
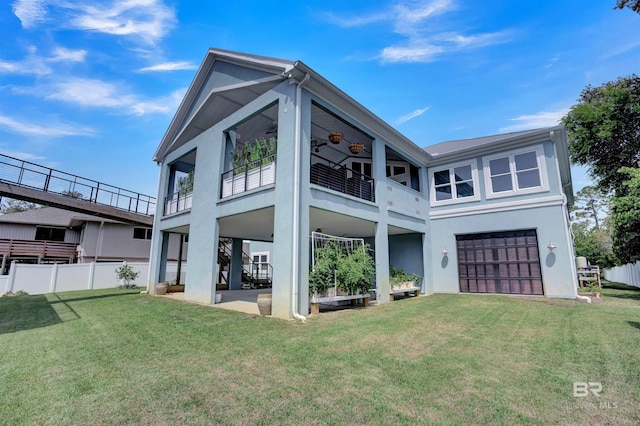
(356, 148)
(336, 137)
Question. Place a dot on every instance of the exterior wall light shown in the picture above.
(445, 251)
(551, 246)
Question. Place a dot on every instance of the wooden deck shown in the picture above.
(41, 249)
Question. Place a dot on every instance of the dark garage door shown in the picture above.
(502, 262)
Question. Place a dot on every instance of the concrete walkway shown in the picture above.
(234, 300)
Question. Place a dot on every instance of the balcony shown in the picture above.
(249, 176)
(340, 178)
(177, 202)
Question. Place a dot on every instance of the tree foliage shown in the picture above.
(185, 183)
(590, 222)
(604, 130)
(14, 206)
(625, 220)
(631, 4)
(591, 206)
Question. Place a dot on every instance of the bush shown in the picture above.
(126, 274)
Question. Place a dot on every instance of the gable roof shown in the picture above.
(465, 148)
(190, 118)
(50, 216)
(194, 115)
(468, 146)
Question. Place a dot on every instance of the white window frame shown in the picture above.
(454, 199)
(542, 170)
(260, 254)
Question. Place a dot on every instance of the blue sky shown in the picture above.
(90, 86)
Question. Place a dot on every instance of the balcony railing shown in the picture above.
(250, 176)
(34, 176)
(42, 249)
(177, 202)
(340, 178)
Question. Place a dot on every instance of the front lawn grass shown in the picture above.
(118, 357)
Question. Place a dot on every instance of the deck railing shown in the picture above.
(34, 176)
(42, 249)
(249, 176)
(177, 202)
(340, 178)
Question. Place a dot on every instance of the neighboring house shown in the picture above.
(485, 215)
(49, 234)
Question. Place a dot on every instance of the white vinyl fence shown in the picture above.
(626, 274)
(40, 279)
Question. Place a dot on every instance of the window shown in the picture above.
(454, 184)
(520, 172)
(49, 234)
(260, 263)
(142, 233)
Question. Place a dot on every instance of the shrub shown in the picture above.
(126, 274)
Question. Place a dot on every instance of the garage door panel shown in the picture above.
(506, 262)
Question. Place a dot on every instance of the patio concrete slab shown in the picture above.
(245, 301)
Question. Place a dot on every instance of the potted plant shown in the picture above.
(356, 271)
(126, 274)
(322, 276)
(356, 148)
(336, 137)
(400, 280)
(174, 287)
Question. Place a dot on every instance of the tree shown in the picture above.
(590, 206)
(604, 130)
(631, 4)
(15, 206)
(625, 218)
(185, 183)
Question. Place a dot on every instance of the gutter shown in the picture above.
(296, 201)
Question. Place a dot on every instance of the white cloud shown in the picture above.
(34, 64)
(52, 130)
(90, 92)
(30, 12)
(535, 121)
(170, 66)
(101, 94)
(61, 54)
(31, 65)
(166, 104)
(148, 20)
(26, 156)
(411, 115)
(424, 53)
(424, 42)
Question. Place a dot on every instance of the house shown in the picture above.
(275, 152)
(53, 235)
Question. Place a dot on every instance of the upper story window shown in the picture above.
(458, 183)
(44, 233)
(142, 233)
(520, 172)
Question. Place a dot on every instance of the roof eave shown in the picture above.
(322, 87)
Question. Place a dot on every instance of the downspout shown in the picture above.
(296, 201)
(565, 216)
(99, 242)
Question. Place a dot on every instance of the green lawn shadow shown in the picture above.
(25, 313)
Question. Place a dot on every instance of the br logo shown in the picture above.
(582, 389)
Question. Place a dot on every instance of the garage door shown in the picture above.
(504, 262)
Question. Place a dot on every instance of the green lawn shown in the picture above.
(118, 357)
